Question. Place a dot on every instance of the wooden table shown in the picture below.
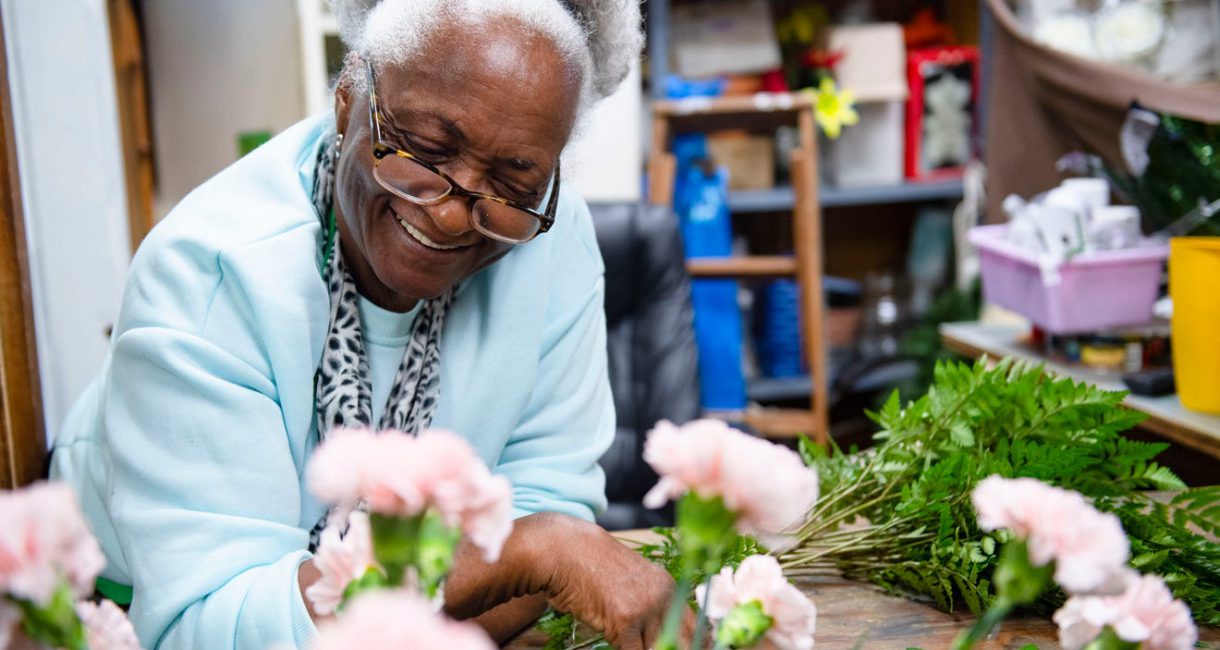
(852, 612)
(1166, 415)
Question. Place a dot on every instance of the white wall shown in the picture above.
(67, 135)
(217, 68)
(604, 161)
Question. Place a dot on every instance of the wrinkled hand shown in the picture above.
(611, 588)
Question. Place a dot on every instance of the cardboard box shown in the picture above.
(750, 159)
(712, 38)
(873, 67)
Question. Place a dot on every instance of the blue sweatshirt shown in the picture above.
(189, 450)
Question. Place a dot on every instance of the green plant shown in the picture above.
(900, 514)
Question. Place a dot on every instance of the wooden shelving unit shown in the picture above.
(762, 112)
(733, 267)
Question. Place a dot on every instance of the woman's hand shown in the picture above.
(610, 587)
(580, 568)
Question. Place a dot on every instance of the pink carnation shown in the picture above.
(43, 541)
(395, 474)
(397, 618)
(1089, 547)
(106, 626)
(759, 578)
(1145, 613)
(712, 459)
(341, 560)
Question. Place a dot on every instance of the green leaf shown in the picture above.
(961, 434)
(811, 452)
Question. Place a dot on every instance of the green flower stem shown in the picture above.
(821, 509)
(668, 640)
(701, 617)
(423, 543)
(867, 539)
(1018, 582)
(836, 520)
(866, 477)
(983, 626)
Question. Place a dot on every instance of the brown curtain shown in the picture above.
(1043, 103)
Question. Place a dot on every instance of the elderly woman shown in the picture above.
(414, 260)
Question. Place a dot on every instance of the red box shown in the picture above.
(942, 111)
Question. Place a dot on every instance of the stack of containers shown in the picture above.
(1070, 262)
(779, 340)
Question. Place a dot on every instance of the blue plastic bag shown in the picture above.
(703, 211)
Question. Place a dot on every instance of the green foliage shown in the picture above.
(666, 553)
(913, 488)
(563, 633)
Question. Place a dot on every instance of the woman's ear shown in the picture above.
(343, 105)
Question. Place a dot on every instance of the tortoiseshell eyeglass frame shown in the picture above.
(546, 218)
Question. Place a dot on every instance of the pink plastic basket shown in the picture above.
(1091, 291)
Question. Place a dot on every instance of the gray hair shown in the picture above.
(600, 38)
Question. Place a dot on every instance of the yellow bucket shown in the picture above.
(1194, 283)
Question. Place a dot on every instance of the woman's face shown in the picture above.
(491, 107)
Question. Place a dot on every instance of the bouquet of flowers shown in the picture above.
(48, 563)
(903, 514)
(1002, 487)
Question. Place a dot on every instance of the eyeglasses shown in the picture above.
(420, 182)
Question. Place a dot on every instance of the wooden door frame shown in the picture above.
(23, 447)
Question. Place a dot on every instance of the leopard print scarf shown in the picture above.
(342, 388)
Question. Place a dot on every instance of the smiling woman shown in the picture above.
(413, 260)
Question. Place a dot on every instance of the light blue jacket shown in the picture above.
(189, 449)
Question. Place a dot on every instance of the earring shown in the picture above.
(338, 145)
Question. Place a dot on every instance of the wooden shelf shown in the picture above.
(733, 267)
(733, 105)
(757, 112)
(770, 422)
(781, 199)
(781, 423)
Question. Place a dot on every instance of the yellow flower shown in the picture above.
(832, 108)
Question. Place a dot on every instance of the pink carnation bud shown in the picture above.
(711, 459)
(396, 618)
(341, 559)
(106, 626)
(1089, 547)
(760, 578)
(398, 475)
(1146, 613)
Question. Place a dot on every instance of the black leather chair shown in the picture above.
(651, 344)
